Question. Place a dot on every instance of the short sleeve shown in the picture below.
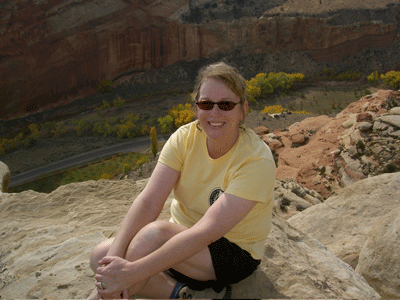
(253, 181)
(172, 153)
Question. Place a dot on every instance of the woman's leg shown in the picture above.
(148, 239)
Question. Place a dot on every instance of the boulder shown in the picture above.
(298, 266)
(273, 144)
(46, 240)
(379, 261)
(343, 222)
(393, 120)
(395, 111)
(4, 177)
(363, 117)
(261, 130)
(298, 139)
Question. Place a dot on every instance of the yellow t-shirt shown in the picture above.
(246, 171)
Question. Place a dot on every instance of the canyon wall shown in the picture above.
(53, 52)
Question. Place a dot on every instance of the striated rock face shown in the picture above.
(52, 52)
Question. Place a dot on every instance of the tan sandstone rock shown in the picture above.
(261, 130)
(4, 177)
(343, 222)
(379, 261)
(297, 266)
(46, 240)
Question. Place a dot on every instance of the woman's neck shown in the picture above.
(218, 148)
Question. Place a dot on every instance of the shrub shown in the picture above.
(104, 106)
(59, 130)
(142, 161)
(119, 102)
(182, 114)
(126, 168)
(165, 123)
(127, 128)
(106, 176)
(273, 109)
(105, 86)
(392, 78)
(34, 129)
(262, 84)
(373, 78)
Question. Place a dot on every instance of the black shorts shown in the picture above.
(231, 265)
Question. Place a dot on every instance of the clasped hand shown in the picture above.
(114, 274)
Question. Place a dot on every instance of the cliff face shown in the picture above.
(52, 52)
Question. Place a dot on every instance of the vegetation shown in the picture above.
(105, 86)
(153, 141)
(106, 169)
(263, 84)
(392, 79)
(373, 78)
(277, 109)
(182, 114)
(165, 123)
(331, 74)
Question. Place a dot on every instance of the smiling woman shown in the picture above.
(222, 176)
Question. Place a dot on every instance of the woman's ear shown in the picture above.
(245, 109)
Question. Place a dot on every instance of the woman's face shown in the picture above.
(220, 124)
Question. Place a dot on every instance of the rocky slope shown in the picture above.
(53, 52)
(342, 247)
(47, 239)
(326, 154)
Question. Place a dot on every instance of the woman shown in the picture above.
(222, 176)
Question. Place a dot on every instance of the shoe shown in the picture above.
(209, 293)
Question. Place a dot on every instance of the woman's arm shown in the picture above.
(219, 219)
(145, 208)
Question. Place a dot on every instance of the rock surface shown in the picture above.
(382, 249)
(344, 222)
(53, 52)
(326, 154)
(4, 177)
(47, 239)
(298, 266)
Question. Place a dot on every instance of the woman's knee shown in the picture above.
(98, 252)
(151, 237)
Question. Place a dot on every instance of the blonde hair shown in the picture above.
(222, 72)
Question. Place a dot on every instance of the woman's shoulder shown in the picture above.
(185, 130)
(253, 146)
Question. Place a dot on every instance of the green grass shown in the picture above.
(105, 169)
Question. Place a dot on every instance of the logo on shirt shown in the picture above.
(214, 195)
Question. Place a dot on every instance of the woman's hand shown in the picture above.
(114, 276)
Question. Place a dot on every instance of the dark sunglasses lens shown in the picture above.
(206, 105)
(223, 105)
(226, 105)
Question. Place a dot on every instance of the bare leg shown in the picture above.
(149, 239)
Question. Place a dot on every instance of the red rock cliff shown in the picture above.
(54, 51)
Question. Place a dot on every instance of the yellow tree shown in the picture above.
(154, 141)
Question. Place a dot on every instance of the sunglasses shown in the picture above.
(223, 105)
